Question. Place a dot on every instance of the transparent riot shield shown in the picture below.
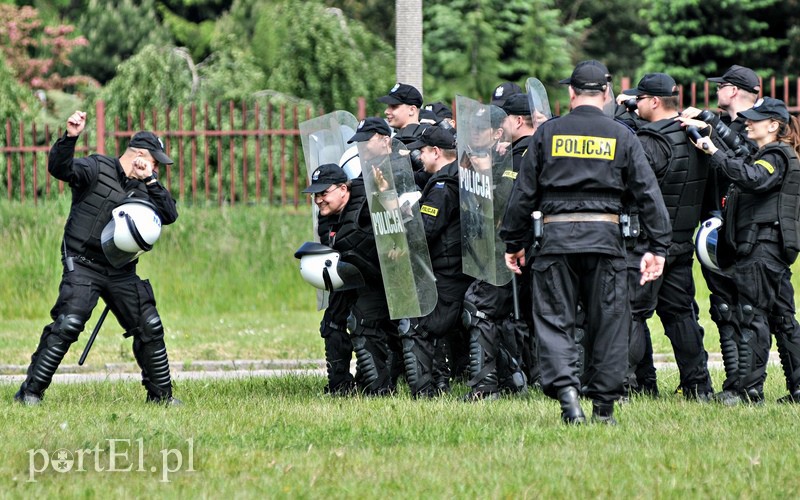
(538, 101)
(393, 199)
(324, 140)
(485, 177)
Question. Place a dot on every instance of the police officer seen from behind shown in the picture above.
(439, 207)
(737, 91)
(99, 183)
(577, 168)
(762, 214)
(345, 202)
(682, 177)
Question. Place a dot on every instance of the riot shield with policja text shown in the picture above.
(485, 176)
(393, 200)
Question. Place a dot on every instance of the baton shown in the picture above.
(94, 335)
(515, 296)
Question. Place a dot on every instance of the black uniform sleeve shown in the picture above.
(761, 175)
(516, 228)
(162, 199)
(439, 207)
(63, 166)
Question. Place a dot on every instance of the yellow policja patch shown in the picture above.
(767, 165)
(428, 210)
(510, 174)
(581, 146)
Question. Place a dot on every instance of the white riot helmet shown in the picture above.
(321, 267)
(711, 249)
(350, 162)
(133, 230)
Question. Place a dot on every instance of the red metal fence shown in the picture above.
(226, 153)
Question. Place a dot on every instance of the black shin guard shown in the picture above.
(483, 357)
(371, 364)
(418, 359)
(53, 346)
(151, 354)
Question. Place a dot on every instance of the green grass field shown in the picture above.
(227, 287)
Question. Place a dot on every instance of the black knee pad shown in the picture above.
(152, 329)
(721, 312)
(68, 327)
(746, 314)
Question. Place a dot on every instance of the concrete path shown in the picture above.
(237, 369)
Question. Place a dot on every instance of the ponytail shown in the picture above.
(790, 133)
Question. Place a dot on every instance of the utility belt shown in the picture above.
(581, 217)
(770, 232)
(540, 220)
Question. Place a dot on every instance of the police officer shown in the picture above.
(333, 327)
(403, 103)
(495, 353)
(576, 171)
(439, 207)
(761, 209)
(682, 177)
(351, 235)
(519, 125)
(737, 91)
(99, 183)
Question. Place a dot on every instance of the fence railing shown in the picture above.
(228, 153)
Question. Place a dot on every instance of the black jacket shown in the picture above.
(584, 162)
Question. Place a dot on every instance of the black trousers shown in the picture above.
(672, 298)
(766, 304)
(130, 300)
(559, 284)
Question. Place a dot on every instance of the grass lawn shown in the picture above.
(281, 438)
(228, 288)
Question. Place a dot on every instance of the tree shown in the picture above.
(101, 23)
(157, 77)
(694, 39)
(606, 34)
(35, 52)
(472, 45)
(320, 55)
(17, 102)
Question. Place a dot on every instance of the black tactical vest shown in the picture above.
(91, 210)
(352, 234)
(780, 205)
(684, 183)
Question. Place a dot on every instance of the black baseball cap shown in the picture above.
(655, 84)
(744, 78)
(369, 127)
(324, 177)
(440, 109)
(503, 92)
(517, 104)
(435, 136)
(588, 75)
(496, 115)
(151, 142)
(427, 116)
(770, 108)
(402, 93)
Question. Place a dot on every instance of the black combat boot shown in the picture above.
(571, 411)
(603, 413)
